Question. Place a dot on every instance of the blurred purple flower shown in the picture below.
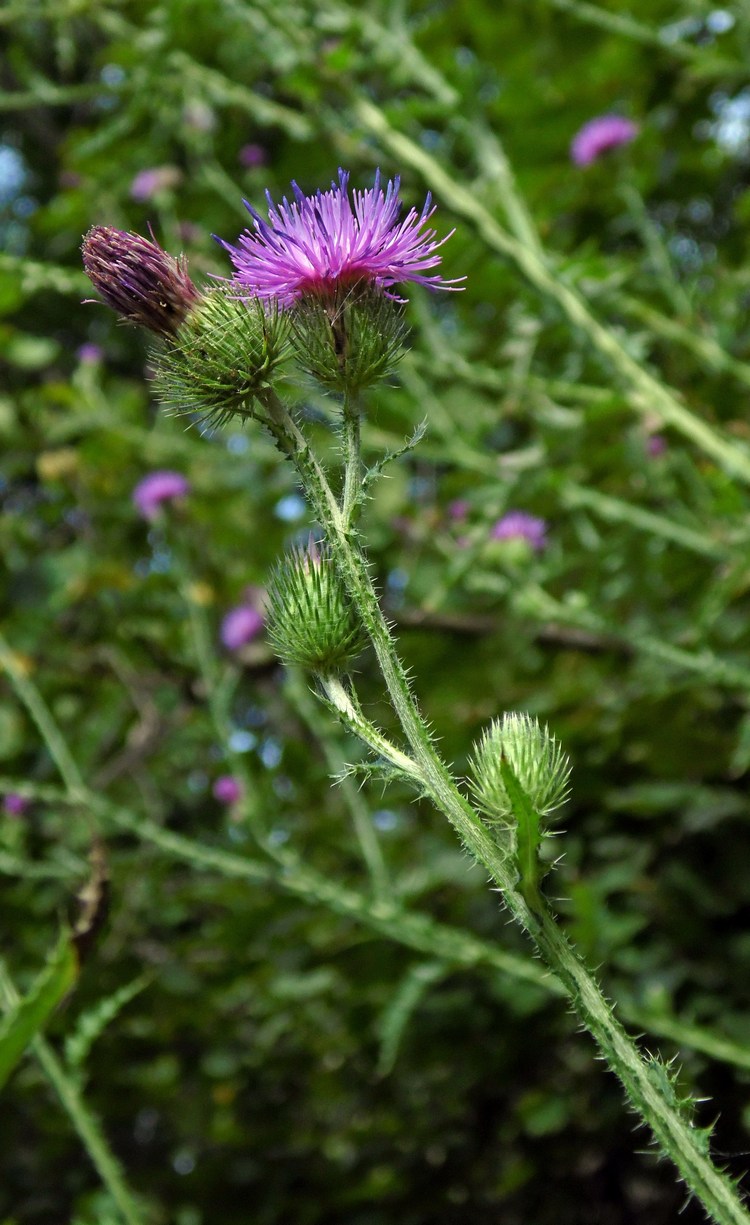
(15, 805)
(240, 626)
(459, 509)
(599, 135)
(89, 354)
(148, 183)
(656, 445)
(227, 790)
(324, 242)
(517, 525)
(156, 488)
(252, 155)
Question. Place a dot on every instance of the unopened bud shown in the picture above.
(536, 759)
(349, 342)
(226, 353)
(310, 620)
(139, 280)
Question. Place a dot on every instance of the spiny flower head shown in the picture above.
(138, 279)
(318, 245)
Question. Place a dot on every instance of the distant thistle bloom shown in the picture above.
(517, 525)
(14, 805)
(252, 155)
(89, 354)
(656, 445)
(322, 243)
(240, 626)
(148, 183)
(138, 279)
(227, 790)
(458, 509)
(156, 488)
(599, 135)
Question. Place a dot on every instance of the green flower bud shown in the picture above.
(310, 620)
(225, 354)
(536, 759)
(350, 341)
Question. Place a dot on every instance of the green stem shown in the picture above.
(352, 452)
(673, 1132)
(350, 711)
(302, 700)
(412, 929)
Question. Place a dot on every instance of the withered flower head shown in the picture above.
(139, 280)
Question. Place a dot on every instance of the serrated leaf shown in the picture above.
(95, 1020)
(29, 1016)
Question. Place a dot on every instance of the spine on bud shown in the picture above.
(225, 355)
(536, 760)
(350, 341)
(310, 620)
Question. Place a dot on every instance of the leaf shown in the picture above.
(29, 1016)
(95, 1020)
(398, 1012)
(528, 836)
(408, 445)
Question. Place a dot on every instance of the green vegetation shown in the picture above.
(297, 1000)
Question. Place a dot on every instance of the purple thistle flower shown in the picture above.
(240, 626)
(252, 155)
(89, 354)
(15, 805)
(227, 790)
(321, 243)
(458, 509)
(517, 525)
(158, 487)
(656, 445)
(148, 183)
(599, 135)
(138, 279)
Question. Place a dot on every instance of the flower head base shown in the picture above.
(311, 623)
(599, 136)
(318, 245)
(536, 759)
(139, 280)
(156, 488)
(350, 342)
(225, 355)
(518, 525)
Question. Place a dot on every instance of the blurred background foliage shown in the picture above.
(307, 1006)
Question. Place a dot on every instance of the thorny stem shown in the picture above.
(673, 1131)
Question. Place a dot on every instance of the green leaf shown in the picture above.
(400, 1008)
(29, 1016)
(528, 836)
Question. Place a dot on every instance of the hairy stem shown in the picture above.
(672, 1130)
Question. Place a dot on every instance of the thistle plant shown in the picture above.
(315, 283)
